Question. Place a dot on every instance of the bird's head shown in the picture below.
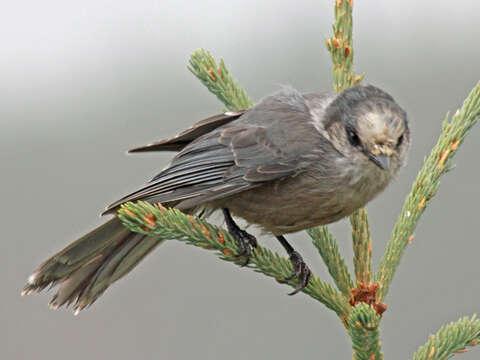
(367, 125)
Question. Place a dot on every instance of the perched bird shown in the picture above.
(289, 163)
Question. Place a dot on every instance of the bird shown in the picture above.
(291, 162)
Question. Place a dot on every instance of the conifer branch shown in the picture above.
(426, 185)
(340, 46)
(451, 339)
(218, 80)
(363, 328)
(362, 246)
(328, 249)
(156, 220)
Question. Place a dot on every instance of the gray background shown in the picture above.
(81, 82)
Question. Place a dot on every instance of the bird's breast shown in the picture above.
(306, 200)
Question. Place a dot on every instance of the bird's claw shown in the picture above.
(300, 271)
(245, 242)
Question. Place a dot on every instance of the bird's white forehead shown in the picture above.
(374, 122)
(379, 126)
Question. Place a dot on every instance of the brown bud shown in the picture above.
(454, 145)
(221, 239)
(129, 213)
(212, 75)
(336, 43)
(149, 219)
(380, 308)
(191, 221)
(206, 232)
(421, 204)
(443, 157)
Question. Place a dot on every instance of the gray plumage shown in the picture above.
(291, 162)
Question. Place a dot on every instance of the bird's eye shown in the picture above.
(399, 141)
(353, 138)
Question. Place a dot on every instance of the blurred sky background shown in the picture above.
(82, 82)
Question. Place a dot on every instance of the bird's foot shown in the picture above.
(245, 242)
(300, 272)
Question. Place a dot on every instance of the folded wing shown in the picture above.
(202, 127)
(266, 143)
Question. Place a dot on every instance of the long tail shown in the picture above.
(88, 266)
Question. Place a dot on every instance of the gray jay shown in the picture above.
(289, 163)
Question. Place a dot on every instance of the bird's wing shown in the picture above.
(267, 143)
(202, 127)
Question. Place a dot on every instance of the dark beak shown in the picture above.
(382, 161)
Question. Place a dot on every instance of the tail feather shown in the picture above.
(88, 266)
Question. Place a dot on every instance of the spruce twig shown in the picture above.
(340, 46)
(364, 331)
(165, 223)
(328, 249)
(426, 185)
(218, 80)
(366, 311)
(362, 246)
(451, 339)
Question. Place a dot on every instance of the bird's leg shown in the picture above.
(301, 270)
(244, 240)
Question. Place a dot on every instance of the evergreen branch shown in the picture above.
(450, 339)
(156, 220)
(363, 328)
(341, 48)
(218, 80)
(426, 185)
(328, 249)
(362, 246)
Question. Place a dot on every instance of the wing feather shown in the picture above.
(266, 143)
(202, 127)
